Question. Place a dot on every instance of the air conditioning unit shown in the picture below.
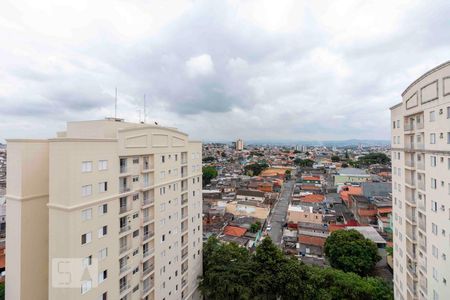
(443, 207)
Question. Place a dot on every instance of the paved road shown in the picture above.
(278, 216)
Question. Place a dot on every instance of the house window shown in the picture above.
(86, 238)
(433, 205)
(86, 166)
(102, 254)
(87, 261)
(448, 137)
(136, 160)
(102, 276)
(103, 186)
(102, 165)
(432, 138)
(102, 231)
(135, 178)
(86, 214)
(433, 183)
(162, 174)
(434, 228)
(103, 209)
(432, 116)
(86, 190)
(433, 161)
(163, 159)
(86, 285)
(448, 112)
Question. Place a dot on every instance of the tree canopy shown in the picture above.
(232, 272)
(335, 158)
(256, 168)
(374, 158)
(209, 172)
(304, 162)
(350, 251)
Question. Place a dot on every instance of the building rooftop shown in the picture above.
(353, 172)
(369, 233)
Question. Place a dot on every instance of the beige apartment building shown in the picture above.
(421, 187)
(106, 210)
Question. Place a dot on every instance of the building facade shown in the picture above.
(239, 145)
(421, 187)
(107, 210)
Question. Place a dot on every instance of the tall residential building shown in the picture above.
(239, 145)
(421, 187)
(106, 210)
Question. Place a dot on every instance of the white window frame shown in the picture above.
(86, 166)
(103, 165)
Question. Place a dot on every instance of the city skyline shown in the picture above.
(297, 70)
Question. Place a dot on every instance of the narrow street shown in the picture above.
(278, 216)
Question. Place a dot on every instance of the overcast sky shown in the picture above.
(218, 70)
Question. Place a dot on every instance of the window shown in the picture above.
(434, 251)
(102, 165)
(176, 157)
(393, 125)
(432, 116)
(433, 205)
(162, 207)
(448, 112)
(163, 159)
(86, 190)
(135, 233)
(163, 238)
(434, 228)
(102, 254)
(398, 126)
(432, 138)
(433, 161)
(104, 296)
(102, 276)
(433, 183)
(162, 174)
(86, 238)
(102, 231)
(86, 166)
(87, 261)
(86, 214)
(136, 160)
(448, 137)
(103, 186)
(103, 209)
(86, 285)
(135, 178)
(135, 197)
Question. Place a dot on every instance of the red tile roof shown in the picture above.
(311, 178)
(312, 198)
(311, 240)
(384, 210)
(367, 212)
(234, 231)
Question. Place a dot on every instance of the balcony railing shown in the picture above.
(184, 201)
(183, 282)
(419, 125)
(409, 127)
(411, 235)
(124, 248)
(421, 185)
(125, 268)
(147, 270)
(183, 270)
(411, 217)
(123, 169)
(184, 228)
(410, 181)
(146, 219)
(124, 209)
(411, 199)
(420, 165)
(124, 287)
(146, 288)
(124, 228)
(410, 163)
(124, 189)
(148, 252)
(147, 236)
(184, 254)
(148, 201)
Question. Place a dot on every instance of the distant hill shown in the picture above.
(351, 142)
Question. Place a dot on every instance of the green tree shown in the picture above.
(208, 159)
(209, 173)
(2, 291)
(256, 168)
(374, 158)
(304, 162)
(350, 251)
(335, 158)
(227, 271)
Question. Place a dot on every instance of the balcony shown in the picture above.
(124, 248)
(124, 229)
(419, 125)
(123, 169)
(409, 126)
(410, 181)
(124, 208)
(148, 270)
(148, 252)
(124, 189)
(184, 269)
(124, 268)
(422, 263)
(148, 201)
(420, 165)
(422, 224)
(146, 288)
(423, 243)
(184, 200)
(410, 163)
(184, 253)
(414, 146)
(423, 284)
(411, 199)
(411, 269)
(411, 235)
(146, 219)
(410, 217)
(183, 282)
(184, 228)
(422, 204)
(124, 287)
(421, 185)
(412, 288)
(146, 236)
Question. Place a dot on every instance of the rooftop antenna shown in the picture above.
(145, 112)
(115, 106)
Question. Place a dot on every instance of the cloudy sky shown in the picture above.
(218, 70)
